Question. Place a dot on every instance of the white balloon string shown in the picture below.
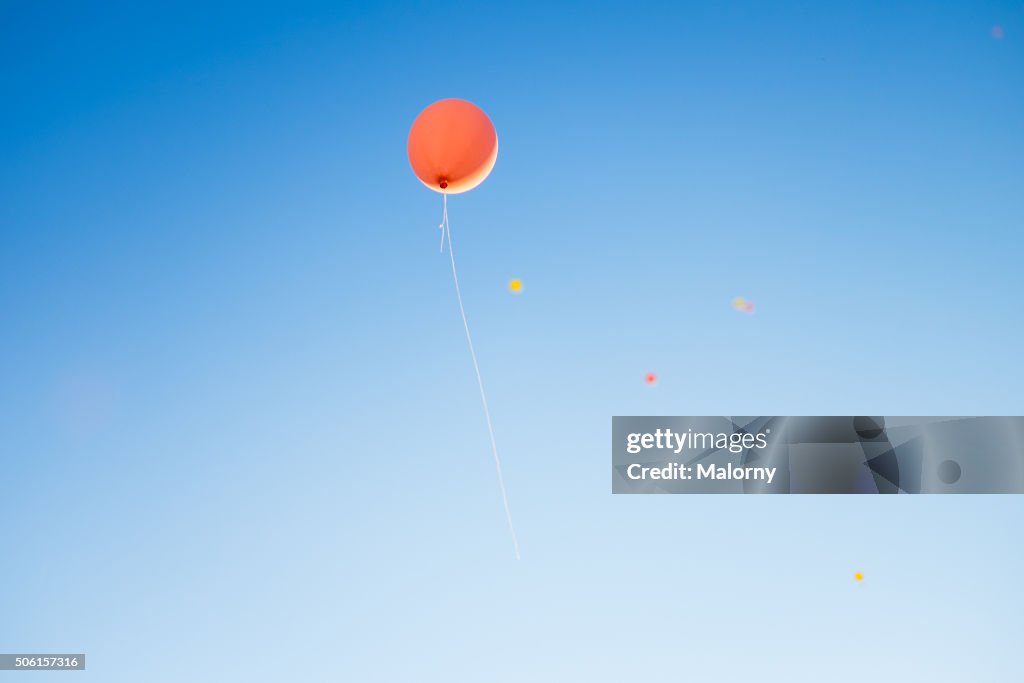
(447, 230)
(444, 221)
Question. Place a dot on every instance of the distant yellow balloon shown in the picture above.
(515, 286)
(739, 303)
(858, 576)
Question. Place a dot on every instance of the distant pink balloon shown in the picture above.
(997, 32)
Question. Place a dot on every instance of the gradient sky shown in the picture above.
(239, 424)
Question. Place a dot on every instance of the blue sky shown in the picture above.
(239, 422)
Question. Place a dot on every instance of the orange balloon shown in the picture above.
(452, 146)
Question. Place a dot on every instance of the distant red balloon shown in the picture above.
(452, 146)
(651, 378)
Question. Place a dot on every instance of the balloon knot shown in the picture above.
(444, 184)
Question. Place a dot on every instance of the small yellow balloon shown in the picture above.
(515, 286)
(739, 303)
(858, 576)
